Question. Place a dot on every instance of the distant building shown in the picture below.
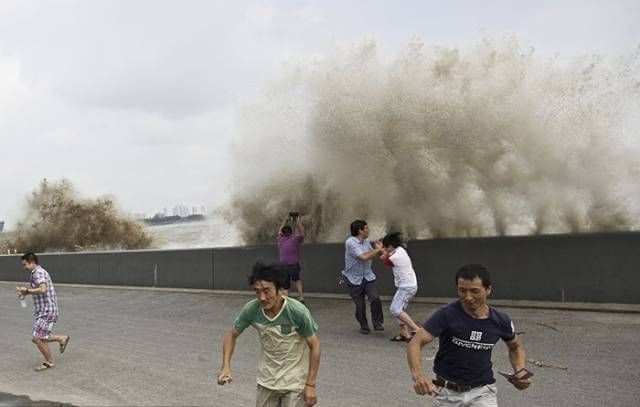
(1, 226)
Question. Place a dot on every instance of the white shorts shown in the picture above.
(401, 300)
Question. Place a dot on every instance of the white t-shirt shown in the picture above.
(403, 274)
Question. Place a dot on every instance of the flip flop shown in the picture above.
(400, 338)
(63, 346)
(44, 366)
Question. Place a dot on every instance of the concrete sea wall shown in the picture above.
(600, 268)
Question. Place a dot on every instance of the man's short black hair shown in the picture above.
(286, 230)
(392, 239)
(272, 273)
(356, 226)
(30, 257)
(471, 271)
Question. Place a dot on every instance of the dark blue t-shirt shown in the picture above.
(464, 356)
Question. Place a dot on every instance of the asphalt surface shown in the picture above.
(162, 348)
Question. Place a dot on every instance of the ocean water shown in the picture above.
(487, 138)
(213, 232)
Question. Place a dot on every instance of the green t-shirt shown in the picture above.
(284, 357)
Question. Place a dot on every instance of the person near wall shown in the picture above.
(289, 251)
(359, 277)
(404, 277)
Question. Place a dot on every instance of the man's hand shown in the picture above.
(423, 386)
(224, 376)
(309, 395)
(518, 383)
(22, 290)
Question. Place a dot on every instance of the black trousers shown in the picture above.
(357, 293)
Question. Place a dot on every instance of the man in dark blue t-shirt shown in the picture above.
(467, 330)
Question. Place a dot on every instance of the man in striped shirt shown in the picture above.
(46, 310)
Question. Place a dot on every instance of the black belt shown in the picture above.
(460, 388)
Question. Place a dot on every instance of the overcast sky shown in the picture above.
(136, 99)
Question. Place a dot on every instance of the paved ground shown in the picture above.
(161, 348)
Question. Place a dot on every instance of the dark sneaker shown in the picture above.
(378, 327)
(365, 330)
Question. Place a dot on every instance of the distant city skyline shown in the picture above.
(177, 210)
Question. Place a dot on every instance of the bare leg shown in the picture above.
(404, 317)
(43, 347)
(56, 338)
(299, 288)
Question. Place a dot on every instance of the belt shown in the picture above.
(460, 388)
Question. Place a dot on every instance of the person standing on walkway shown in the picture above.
(290, 348)
(289, 251)
(46, 309)
(359, 276)
(467, 330)
(404, 277)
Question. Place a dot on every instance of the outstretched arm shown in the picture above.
(229, 344)
(358, 250)
(370, 254)
(284, 222)
(383, 252)
(300, 226)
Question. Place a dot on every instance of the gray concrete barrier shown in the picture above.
(574, 268)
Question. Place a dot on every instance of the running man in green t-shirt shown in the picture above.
(290, 353)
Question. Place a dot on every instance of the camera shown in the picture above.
(294, 215)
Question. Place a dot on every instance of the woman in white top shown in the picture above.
(396, 256)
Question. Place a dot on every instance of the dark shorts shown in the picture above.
(293, 274)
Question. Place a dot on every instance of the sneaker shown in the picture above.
(378, 327)
(365, 330)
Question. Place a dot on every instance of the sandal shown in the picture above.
(63, 346)
(400, 338)
(44, 366)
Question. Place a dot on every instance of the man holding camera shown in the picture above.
(289, 251)
(467, 330)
